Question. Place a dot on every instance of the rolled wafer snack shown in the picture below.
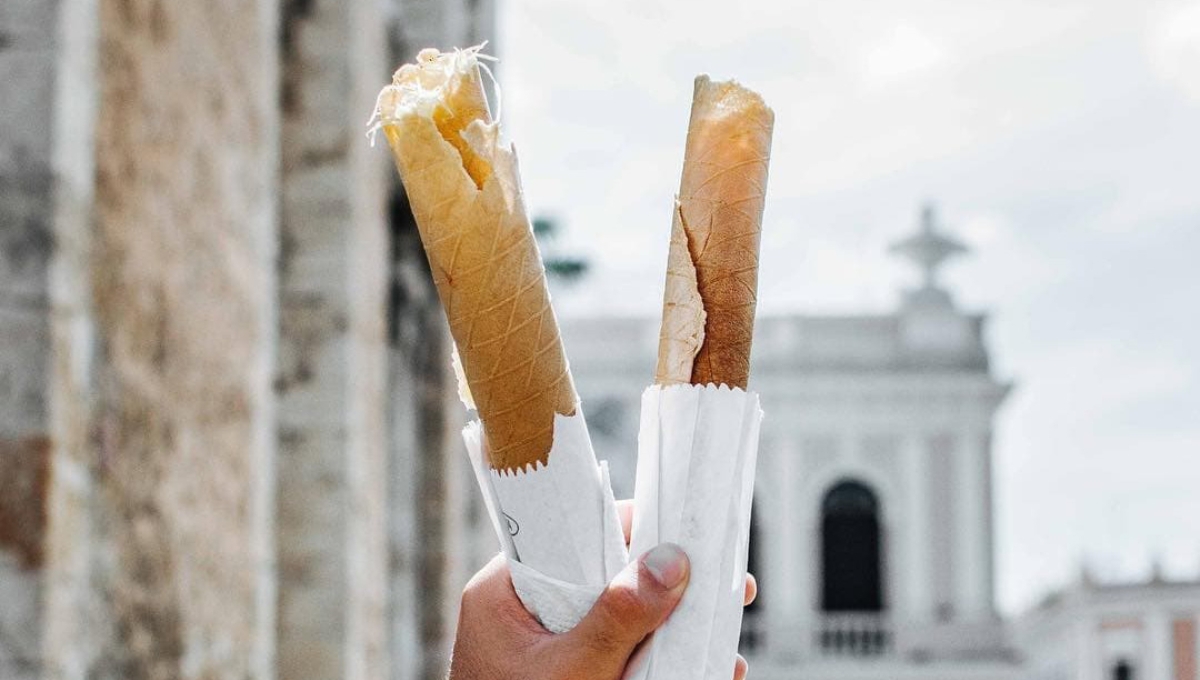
(550, 502)
(466, 197)
(712, 268)
(698, 439)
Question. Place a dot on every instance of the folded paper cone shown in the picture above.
(712, 268)
(557, 524)
(465, 194)
(697, 449)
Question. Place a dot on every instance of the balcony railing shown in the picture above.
(853, 634)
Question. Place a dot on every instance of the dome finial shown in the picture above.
(928, 249)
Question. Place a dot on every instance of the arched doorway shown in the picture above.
(851, 555)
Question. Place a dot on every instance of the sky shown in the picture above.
(1060, 139)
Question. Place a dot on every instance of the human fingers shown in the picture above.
(740, 668)
(637, 602)
(751, 590)
(491, 623)
(625, 512)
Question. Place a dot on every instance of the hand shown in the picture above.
(498, 639)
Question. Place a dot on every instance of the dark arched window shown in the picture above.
(851, 564)
(1122, 670)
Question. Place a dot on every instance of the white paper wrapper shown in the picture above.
(697, 449)
(557, 524)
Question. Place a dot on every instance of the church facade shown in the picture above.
(873, 522)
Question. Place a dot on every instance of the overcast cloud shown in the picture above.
(1060, 139)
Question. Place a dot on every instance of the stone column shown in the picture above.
(973, 526)
(160, 560)
(72, 631)
(27, 60)
(1192, 645)
(1196, 644)
(431, 486)
(445, 24)
(1159, 657)
(437, 522)
(916, 601)
(332, 526)
(1088, 659)
(790, 561)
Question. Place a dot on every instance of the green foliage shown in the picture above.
(566, 268)
(544, 228)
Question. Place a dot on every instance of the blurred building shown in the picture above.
(873, 530)
(1114, 632)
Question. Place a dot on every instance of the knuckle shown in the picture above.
(473, 592)
(469, 601)
(626, 606)
(606, 641)
(481, 589)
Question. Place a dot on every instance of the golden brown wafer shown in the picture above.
(716, 230)
(466, 197)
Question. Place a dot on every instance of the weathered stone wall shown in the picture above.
(165, 498)
(439, 532)
(146, 346)
(27, 60)
(332, 370)
(424, 452)
(23, 475)
(444, 24)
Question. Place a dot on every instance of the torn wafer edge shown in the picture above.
(423, 85)
(460, 378)
(682, 331)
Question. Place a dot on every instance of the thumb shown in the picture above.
(637, 601)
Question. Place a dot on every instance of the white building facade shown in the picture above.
(1114, 632)
(873, 530)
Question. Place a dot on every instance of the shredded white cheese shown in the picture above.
(418, 88)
